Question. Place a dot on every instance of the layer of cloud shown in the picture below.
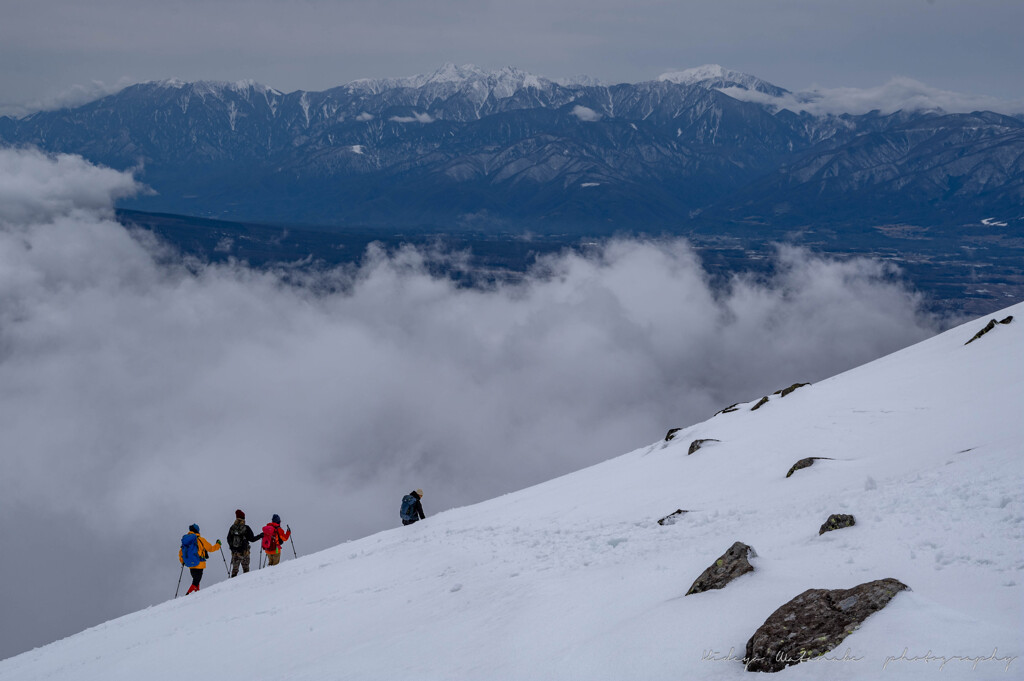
(415, 118)
(898, 94)
(585, 114)
(74, 95)
(141, 392)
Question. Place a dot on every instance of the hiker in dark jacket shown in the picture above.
(412, 509)
(239, 536)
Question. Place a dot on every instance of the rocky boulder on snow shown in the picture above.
(814, 623)
(837, 521)
(781, 393)
(786, 391)
(988, 327)
(732, 564)
(805, 463)
(671, 433)
(672, 517)
(696, 444)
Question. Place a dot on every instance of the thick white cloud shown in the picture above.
(39, 189)
(585, 114)
(140, 392)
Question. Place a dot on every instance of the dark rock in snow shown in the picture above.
(804, 463)
(781, 393)
(730, 408)
(671, 433)
(696, 444)
(672, 517)
(988, 327)
(728, 567)
(786, 391)
(837, 521)
(814, 623)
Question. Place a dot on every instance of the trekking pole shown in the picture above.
(292, 541)
(179, 580)
(226, 568)
(261, 558)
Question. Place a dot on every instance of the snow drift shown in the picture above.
(574, 578)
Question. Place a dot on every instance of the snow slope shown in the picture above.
(574, 579)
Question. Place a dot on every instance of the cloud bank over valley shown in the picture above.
(897, 94)
(141, 391)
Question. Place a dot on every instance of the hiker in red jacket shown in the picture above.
(273, 537)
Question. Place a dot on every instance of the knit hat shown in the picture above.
(240, 514)
(194, 528)
(276, 519)
(419, 493)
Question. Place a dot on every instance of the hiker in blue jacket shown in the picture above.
(412, 509)
(194, 551)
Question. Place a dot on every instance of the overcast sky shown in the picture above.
(55, 49)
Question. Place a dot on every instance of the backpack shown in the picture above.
(409, 507)
(236, 537)
(190, 553)
(270, 538)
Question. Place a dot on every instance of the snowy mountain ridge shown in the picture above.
(504, 82)
(468, 148)
(714, 76)
(574, 578)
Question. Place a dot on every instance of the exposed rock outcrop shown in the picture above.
(672, 517)
(814, 623)
(728, 567)
(730, 408)
(988, 327)
(837, 521)
(671, 433)
(781, 393)
(786, 391)
(696, 444)
(804, 463)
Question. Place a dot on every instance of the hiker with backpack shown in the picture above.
(239, 537)
(193, 554)
(412, 509)
(273, 538)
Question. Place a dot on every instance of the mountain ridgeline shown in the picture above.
(505, 151)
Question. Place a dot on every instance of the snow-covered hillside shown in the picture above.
(575, 579)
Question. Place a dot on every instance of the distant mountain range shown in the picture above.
(469, 149)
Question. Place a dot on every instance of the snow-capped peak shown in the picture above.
(502, 83)
(713, 76)
(175, 83)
